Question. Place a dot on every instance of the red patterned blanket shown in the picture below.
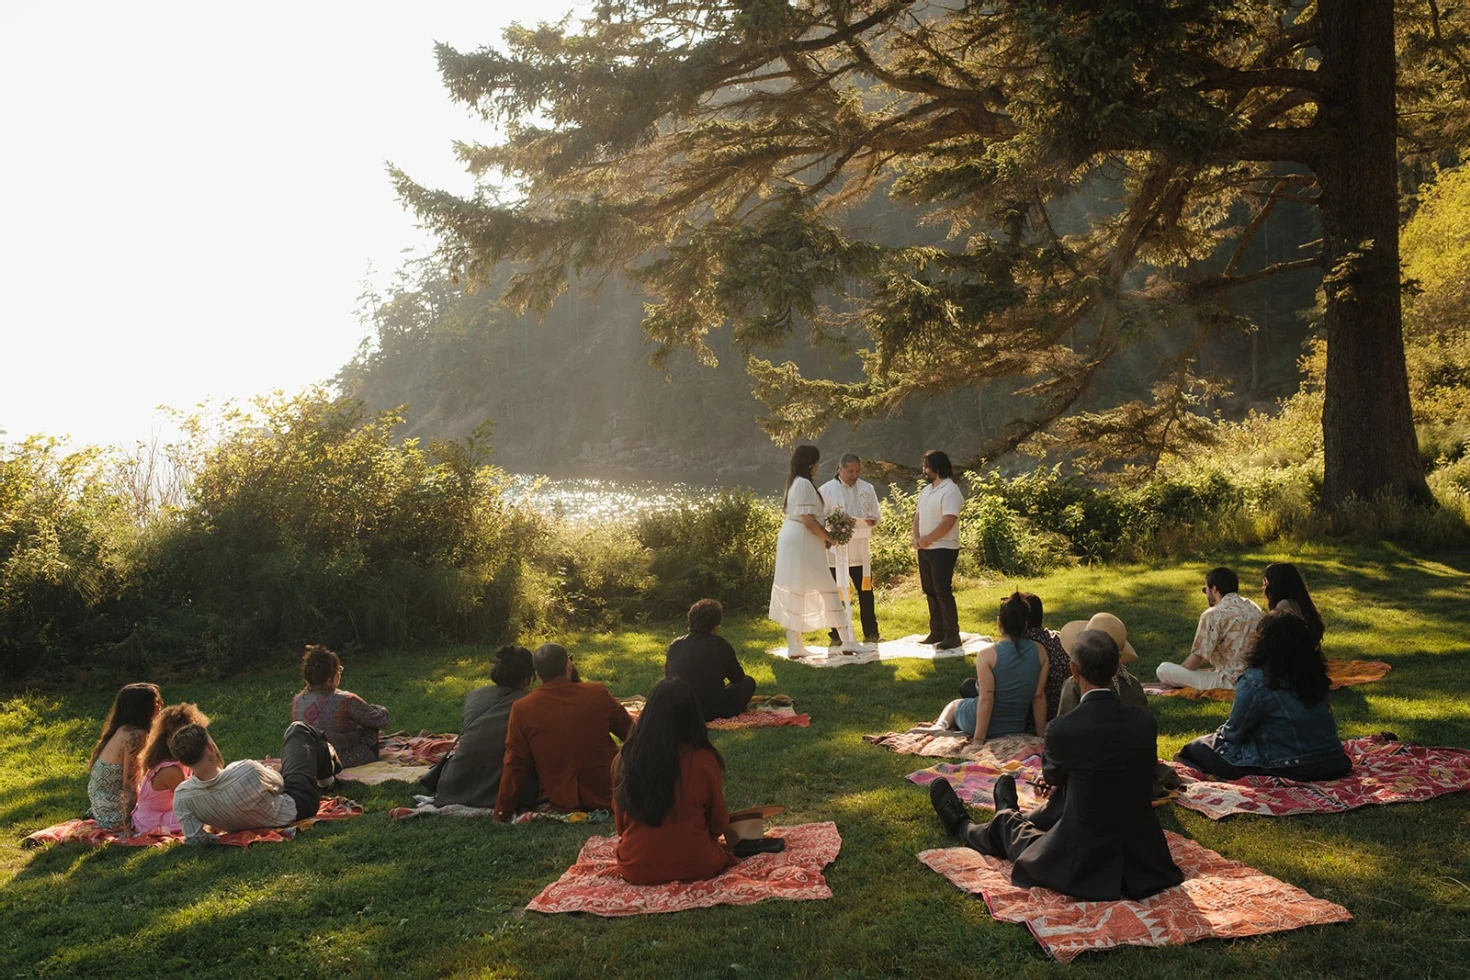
(1385, 770)
(592, 884)
(764, 711)
(1219, 899)
(87, 832)
(423, 749)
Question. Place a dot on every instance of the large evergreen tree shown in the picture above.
(716, 152)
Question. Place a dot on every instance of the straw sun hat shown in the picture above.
(1109, 624)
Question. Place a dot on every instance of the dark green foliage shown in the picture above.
(64, 543)
(724, 549)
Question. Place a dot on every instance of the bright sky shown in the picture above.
(193, 193)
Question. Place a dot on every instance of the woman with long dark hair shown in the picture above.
(471, 777)
(804, 594)
(1010, 679)
(669, 793)
(1285, 589)
(1280, 723)
(112, 788)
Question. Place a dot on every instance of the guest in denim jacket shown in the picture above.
(1280, 723)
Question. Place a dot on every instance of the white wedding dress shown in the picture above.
(804, 595)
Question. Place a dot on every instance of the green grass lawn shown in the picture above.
(445, 897)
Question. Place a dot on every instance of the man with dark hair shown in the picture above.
(561, 731)
(1221, 641)
(858, 500)
(1106, 843)
(705, 661)
(937, 539)
(247, 794)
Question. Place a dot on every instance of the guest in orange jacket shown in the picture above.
(669, 795)
(563, 730)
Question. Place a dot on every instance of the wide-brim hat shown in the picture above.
(750, 824)
(1109, 624)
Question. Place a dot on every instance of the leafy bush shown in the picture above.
(722, 549)
(64, 545)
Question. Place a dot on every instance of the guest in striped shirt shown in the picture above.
(246, 795)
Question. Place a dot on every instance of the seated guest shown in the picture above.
(112, 788)
(563, 730)
(350, 723)
(1106, 843)
(154, 813)
(1010, 676)
(1124, 684)
(1057, 669)
(1220, 641)
(246, 795)
(668, 793)
(471, 776)
(1280, 723)
(705, 661)
(1285, 588)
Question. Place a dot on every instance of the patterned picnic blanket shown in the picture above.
(592, 884)
(904, 648)
(974, 782)
(423, 749)
(1219, 899)
(1342, 673)
(87, 832)
(425, 808)
(953, 745)
(402, 758)
(764, 711)
(1385, 770)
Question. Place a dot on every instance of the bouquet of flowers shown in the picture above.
(839, 526)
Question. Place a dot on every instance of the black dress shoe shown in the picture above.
(1005, 794)
(932, 638)
(949, 643)
(952, 812)
(834, 638)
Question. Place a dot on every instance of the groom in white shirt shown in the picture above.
(858, 500)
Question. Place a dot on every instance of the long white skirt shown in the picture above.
(804, 595)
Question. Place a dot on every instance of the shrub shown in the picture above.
(64, 542)
(722, 549)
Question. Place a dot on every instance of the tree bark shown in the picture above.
(1368, 437)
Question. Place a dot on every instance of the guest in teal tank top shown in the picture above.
(1010, 678)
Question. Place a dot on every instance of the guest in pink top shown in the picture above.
(350, 724)
(154, 812)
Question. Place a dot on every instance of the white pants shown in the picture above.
(1202, 680)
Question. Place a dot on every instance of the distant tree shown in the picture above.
(714, 151)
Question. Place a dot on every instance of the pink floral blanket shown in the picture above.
(1385, 770)
(87, 832)
(593, 885)
(1219, 899)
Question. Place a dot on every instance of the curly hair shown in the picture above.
(319, 665)
(1287, 652)
(168, 721)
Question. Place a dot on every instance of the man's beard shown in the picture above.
(576, 678)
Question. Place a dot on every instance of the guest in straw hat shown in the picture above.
(1124, 685)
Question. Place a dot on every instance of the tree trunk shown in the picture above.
(1367, 423)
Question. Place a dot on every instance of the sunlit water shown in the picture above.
(581, 499)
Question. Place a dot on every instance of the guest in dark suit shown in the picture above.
(705, 661)
(1107, 843)
(471, 776)
(563, 731)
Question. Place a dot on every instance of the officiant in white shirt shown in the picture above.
(857, 498)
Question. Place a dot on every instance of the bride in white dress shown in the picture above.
(804, 595)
